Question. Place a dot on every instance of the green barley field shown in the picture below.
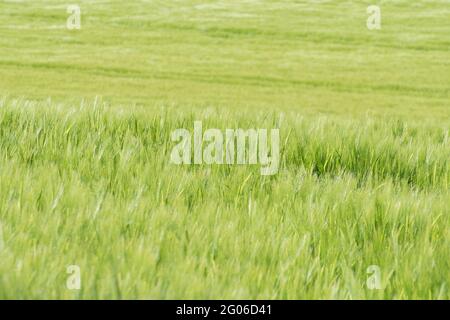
(361, 197)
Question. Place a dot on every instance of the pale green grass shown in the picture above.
(364, 177)
(309, 56)
(94, 187)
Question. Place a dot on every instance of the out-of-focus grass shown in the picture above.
(308, 56)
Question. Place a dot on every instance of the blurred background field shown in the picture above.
(309, 56)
